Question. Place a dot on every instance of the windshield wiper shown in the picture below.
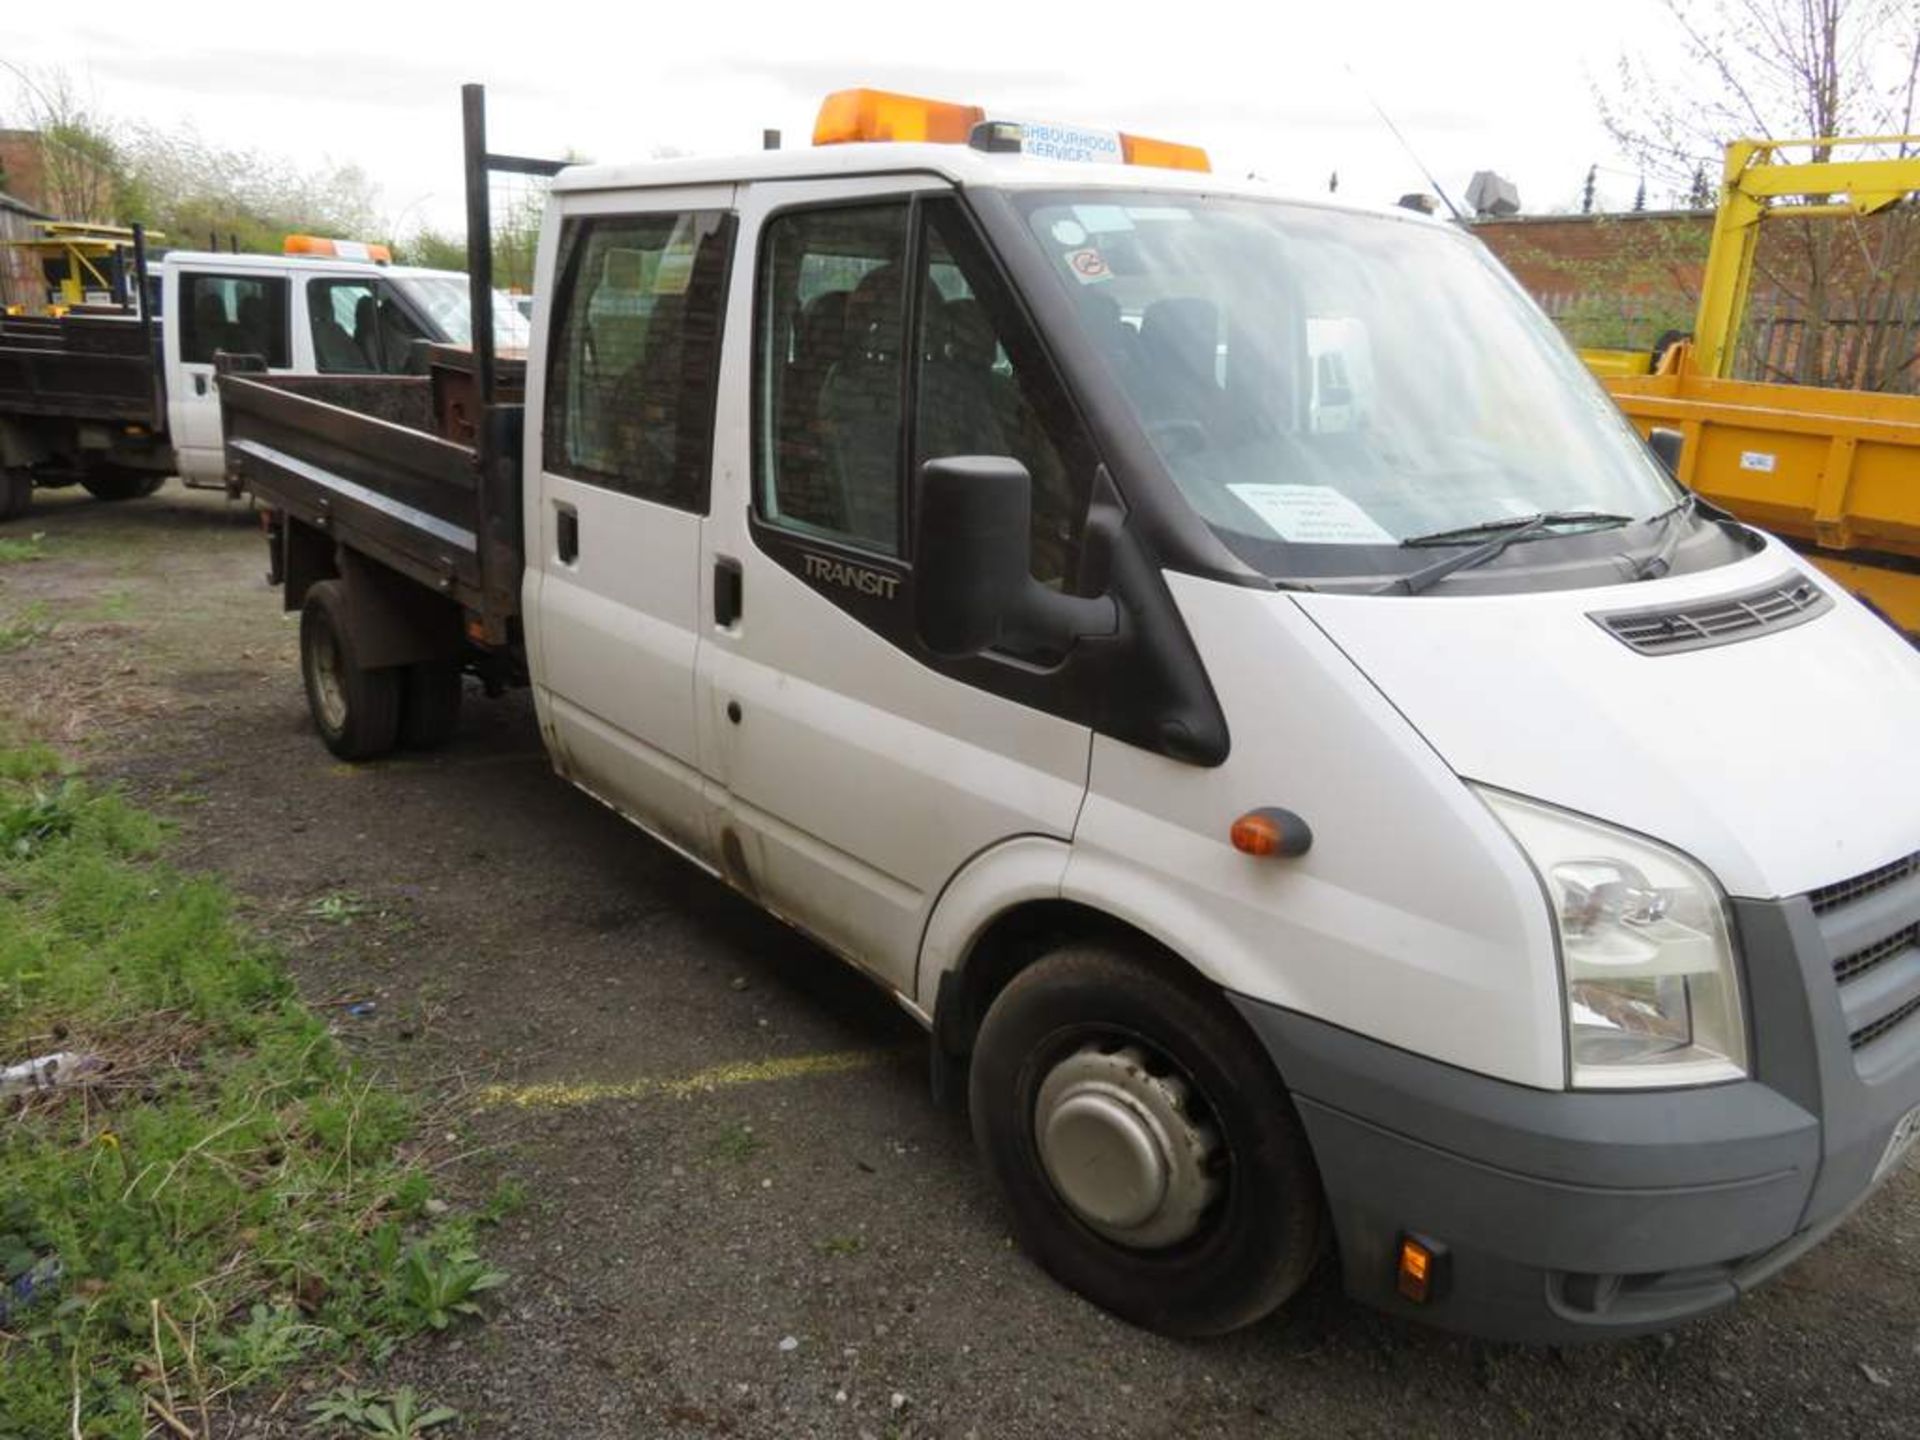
(1656, 565)
(1505, 531)
(1459, 533)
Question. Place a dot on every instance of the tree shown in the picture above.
(432, 250)
(98, 168)
(1792, 69)
(1768, 70)
(83, 173)
(1700, 190)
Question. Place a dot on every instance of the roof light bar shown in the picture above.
(321, 246)
(855, 116)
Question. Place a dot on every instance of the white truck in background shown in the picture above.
(118, 397)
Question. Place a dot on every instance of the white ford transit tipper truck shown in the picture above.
(1223, 664)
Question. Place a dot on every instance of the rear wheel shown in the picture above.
(430, 704)
(355, 709)
(16, 493)
(1145, 1146)
(121, 484)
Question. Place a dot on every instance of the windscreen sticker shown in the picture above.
(1088, 268)
(1311, 515)
(1102, 219)
(1069, 233)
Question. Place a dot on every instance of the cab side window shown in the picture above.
(634, 353)
(848, 338)
(241, 314)
(358, 328)
(832, 321)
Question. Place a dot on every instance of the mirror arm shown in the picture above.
(1046, 620)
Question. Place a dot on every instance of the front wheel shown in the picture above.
(1147, 1151)
(355, 709)
(16, 493)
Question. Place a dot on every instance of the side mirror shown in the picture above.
(972, 586)
(1667, 445)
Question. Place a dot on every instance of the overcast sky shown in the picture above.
(1275, 88)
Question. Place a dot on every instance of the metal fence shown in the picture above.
(1871, 344)
(1863, 344)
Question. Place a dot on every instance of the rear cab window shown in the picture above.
(633, 359)
(240, 314)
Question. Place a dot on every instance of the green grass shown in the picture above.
(30, 548)
(112, 605)
(28, 624)
(232, 1199)
(734, 1142)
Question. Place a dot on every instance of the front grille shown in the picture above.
(1696, 624)
(1867, 1034)
(1852, 967)
(1871, 924)
(1829, 897)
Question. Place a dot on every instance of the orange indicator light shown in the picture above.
(1421, 1264)
(1270, 831)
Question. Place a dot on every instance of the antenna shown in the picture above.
(1387, 120)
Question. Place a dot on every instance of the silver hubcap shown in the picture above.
(329, 693)
(1123, 1149)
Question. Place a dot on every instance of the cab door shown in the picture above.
(624, 464)
(217, 310)
(853, 775)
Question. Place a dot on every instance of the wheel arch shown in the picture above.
(1005, 909)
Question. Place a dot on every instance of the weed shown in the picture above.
(273, 1338)
(401, 1415)
(509, 1197)
(28, 625)
(440, 1279)
(342, 907)
(28, 821)
(840, 1245)
(735, 1142)
(27, 549)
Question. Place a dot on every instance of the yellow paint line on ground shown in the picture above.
(555, 1095)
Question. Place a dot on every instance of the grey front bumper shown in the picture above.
(1574, 1216)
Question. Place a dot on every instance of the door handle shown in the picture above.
(728, 592)
(199, 384)
(566, 533)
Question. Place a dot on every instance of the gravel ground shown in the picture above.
(745, 1217)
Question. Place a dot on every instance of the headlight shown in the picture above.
(1652, 991)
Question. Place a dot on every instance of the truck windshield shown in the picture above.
(1324, 386)
(444, 299)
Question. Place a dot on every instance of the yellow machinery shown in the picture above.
(81, 264)
(1835, 471)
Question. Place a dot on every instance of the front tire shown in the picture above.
(1147, 1151)
(16, 493)
(355, 709)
